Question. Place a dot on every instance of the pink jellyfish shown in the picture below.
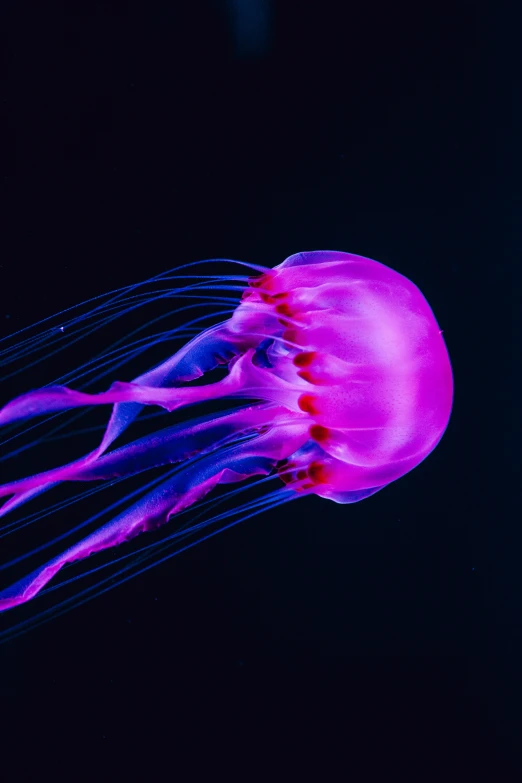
(348, 386)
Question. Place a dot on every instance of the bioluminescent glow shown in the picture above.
(346, 382)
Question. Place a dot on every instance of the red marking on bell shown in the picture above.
(306, 403)
(318, 433)
(304, 359)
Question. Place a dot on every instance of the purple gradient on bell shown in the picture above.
(353, 389)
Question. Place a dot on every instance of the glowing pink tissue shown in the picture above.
(353, 385)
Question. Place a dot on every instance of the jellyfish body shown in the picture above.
(352, 386)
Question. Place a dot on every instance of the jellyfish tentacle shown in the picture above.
(177, 493)
(243, 380)
(213, 347)
(168, 446)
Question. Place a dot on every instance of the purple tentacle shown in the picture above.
(233, 464)
(244, 380)
(168, 446)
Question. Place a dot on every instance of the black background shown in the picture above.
(378, 641)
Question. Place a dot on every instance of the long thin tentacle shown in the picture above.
(170, 445)
(243, 380)
(233, 464)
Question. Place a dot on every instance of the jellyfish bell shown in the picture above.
(349, 386)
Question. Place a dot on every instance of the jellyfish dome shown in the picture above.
(348, 386)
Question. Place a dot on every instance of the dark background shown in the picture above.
(378, 641)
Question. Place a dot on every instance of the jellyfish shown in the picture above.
(337, 380)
